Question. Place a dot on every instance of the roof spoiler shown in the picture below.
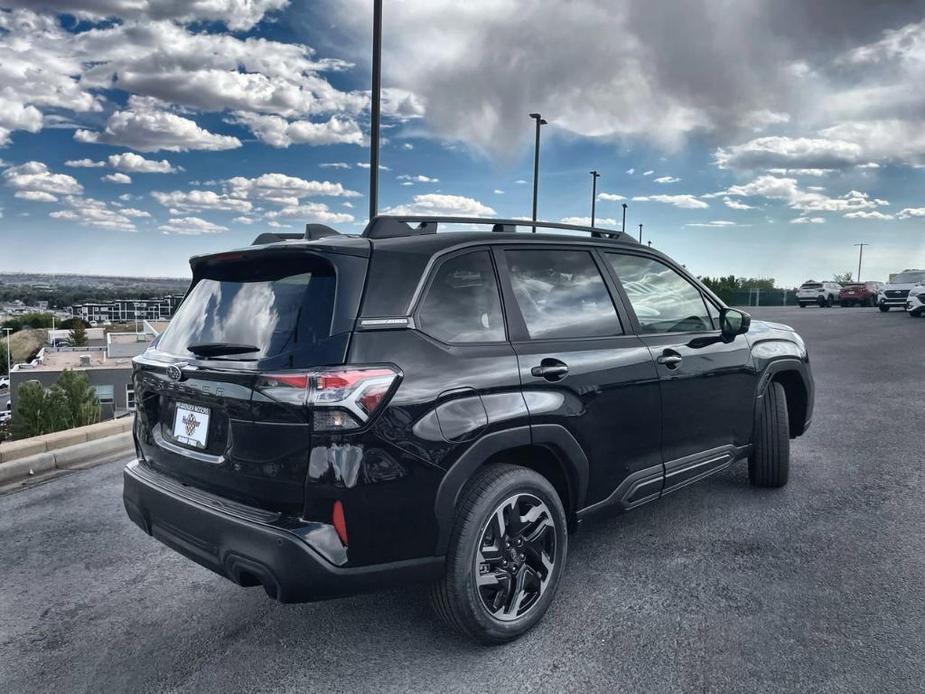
(390, 226)
(313, 232)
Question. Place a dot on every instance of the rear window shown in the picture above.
(277, 304)
(810, 285)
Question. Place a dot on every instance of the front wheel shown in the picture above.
(506, 554)
(769, 462)
(802, 305)
(884, 308)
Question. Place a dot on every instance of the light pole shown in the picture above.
(375, 111)
(623, 228)
(536, 161)
(594, 176)
(860, 257)
(8, 367)
(640, 233)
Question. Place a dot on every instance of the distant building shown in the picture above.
(127, 310)
(108, 367)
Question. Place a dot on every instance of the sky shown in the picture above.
(759, 138)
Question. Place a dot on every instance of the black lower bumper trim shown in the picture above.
(251, 553)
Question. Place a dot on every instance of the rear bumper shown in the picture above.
(249, 550)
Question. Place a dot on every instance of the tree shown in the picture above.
(38, 411)
(83, 407)
(78, 335)
(71, 323)
(842, 277)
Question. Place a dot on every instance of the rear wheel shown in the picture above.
(769, 462)
(829, 301)
(802, 305)
(506, 554)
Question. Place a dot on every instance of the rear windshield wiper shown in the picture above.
(217, 349)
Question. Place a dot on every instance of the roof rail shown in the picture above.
(274, 237)
(392, 226)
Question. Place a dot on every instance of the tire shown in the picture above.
(802, 305)
(769, 462)
(829, 302)
(457, 597)
(871, 302)
(884, 308)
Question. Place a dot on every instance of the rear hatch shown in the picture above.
(203, 416)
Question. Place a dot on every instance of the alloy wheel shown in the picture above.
(515, 557)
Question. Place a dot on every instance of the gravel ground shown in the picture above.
(817, 587)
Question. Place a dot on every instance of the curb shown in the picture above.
(79, 455)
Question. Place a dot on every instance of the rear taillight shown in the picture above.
(340, 398)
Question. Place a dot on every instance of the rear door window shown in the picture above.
(276, 304)
(462, 303)
(561, 294)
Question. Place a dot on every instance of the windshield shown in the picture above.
(909, 278)
(277, 306)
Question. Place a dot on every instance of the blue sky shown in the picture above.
(761, 141)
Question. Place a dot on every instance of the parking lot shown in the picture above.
(817, 587)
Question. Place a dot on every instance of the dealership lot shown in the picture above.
(721, 587)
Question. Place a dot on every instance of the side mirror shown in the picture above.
(733, 322)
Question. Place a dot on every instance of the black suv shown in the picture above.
(328, 414)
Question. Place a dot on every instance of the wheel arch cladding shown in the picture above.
(550, 451)
(797, 398)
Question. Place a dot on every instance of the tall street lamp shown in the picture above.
(375, 111)
(640, 233)
(594, 176)
(623, 228)
(536, 160)
(860, 257)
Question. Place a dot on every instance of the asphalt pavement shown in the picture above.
(817, 587)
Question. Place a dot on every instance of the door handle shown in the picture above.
(670, 358)
(550, 369)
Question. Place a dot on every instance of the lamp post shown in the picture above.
(594, 176)
(640, 233)
(536, 160)
(623, 228)
(375, 111)
(860, 257)
(8, 366)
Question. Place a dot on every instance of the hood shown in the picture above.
(762, 326)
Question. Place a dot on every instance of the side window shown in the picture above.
(663, 300)
(561, 294)
(462, 303)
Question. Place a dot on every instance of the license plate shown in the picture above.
(191, 425)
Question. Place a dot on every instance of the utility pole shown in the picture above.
(623, 228)
(860, 257)
(375, 111)
(640, 233)
(8, 367)
(536, 161)
(594, 176)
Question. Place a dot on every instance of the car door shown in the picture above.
(707, 384)
(580, 369)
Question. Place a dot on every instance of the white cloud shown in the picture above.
(201, 200)
(498, 191)
(35, 196)
(788, 190)
(35, 176)
(117, 178)
(85, 164)
(190, 226)
(311, 212)
(689, 202)
(146, 127)
(610, 197)
(135, 163)
(586, 221)
(762, 118)
(278, 132)
(93, 213)
(736, 205)
(239, 15)
(717, 223)
(439, 204)
(417, 179)
(790, 152)
(808, 220)
(631, 171)
(666, 179)
(648, 173)
(335, 165)
(366, 165)
(869, 214)
(283, 189)
(407, 146)
(912, 212)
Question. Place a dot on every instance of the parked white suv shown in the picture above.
(915, 302)
(820, 293)
(894, 293)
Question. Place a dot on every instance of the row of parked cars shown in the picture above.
(905, 290)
